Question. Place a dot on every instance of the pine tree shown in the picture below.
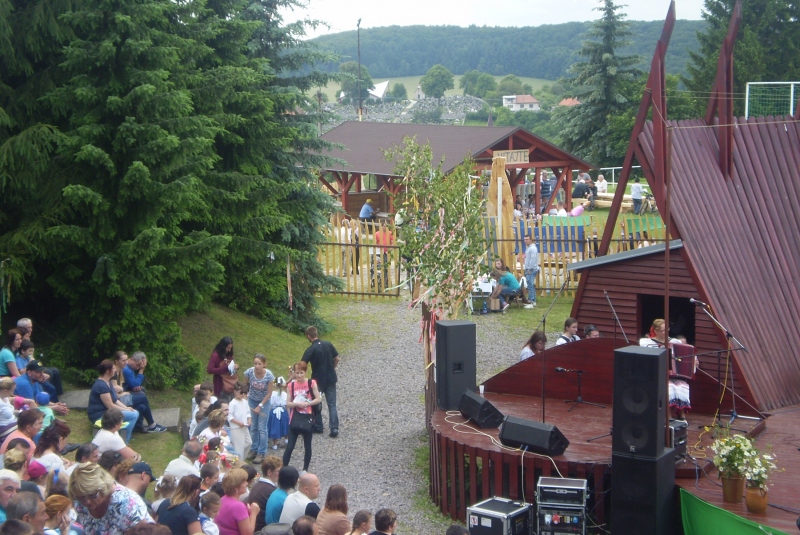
(767, 47)
(596, 85)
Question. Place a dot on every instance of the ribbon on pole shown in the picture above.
(289, 281)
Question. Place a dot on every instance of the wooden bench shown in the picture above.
(604, 200)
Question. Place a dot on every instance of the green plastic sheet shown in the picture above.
(702, 518)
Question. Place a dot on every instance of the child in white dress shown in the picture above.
(278, 423)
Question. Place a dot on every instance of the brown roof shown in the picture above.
(364, 143)
(569, 102)
(524, 99)
(742, 238)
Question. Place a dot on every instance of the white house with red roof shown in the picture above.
(520, 102)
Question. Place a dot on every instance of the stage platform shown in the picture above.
(471, 465)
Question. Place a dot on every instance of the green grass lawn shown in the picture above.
(411, 83)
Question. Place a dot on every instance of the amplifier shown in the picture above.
(678, 437)
(559, 491)
(499, 516)
(554, 520)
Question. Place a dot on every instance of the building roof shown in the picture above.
(569, 102)
(365, 142)
(379, 91)
(525, 99)
(626, 255)
(741, 237)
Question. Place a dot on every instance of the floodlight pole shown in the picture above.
(358, 33)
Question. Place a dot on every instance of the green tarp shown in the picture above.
(702, 518)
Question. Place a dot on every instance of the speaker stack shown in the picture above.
(643, 470)
(455, 362)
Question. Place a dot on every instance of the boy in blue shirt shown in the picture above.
(43, 400)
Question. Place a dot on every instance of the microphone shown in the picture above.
(562, 370)
(696, 302)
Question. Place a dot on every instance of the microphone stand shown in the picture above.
(616, 318)
(543, 325)
(729, 337)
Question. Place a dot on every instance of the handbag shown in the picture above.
(301, 422)
(228, 382)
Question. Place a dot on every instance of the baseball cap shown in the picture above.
(142, 468)
(34, 366)
(42, 398)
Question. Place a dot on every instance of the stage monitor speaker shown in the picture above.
(642, 494)
(540, 438)
(640, 399)
(479, 410)
(455, 362)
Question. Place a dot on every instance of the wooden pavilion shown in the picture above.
(363, 145)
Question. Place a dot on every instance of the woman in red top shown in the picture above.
(300, 400)
(221, 357)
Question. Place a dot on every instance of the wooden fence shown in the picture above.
(369, 264)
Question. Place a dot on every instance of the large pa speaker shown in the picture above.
(640, 399)
(479, 410)
(642, 491)
(540, 438)
(455, 362)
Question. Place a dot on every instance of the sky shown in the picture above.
(342, 15)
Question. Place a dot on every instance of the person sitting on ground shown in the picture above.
(184, 464)
(252, 474)
(28, 507)
(103, 397)
(332, 519)
(37, 475)
(52, 380)
(85, 453)
(179, 513)
(209, 475)
(507, 285)
(534, 345)
(578, 210)
(10, 403)
(25, 352)
(202, 425)
(42, 400)
(164, 490)
(30, 383)
(52, 441)
(362, 522)
(201, 403)
(134, 381)
(102, 505)
(8, 360)
(16, 460)
(234, 517)
(108, 439)
(385, 522)
(265, 486)
(591, 331)
(56, 483)
(29, 423)
(209, 509)
(305, 525)
(570, 332)
(301, 502)
(140, 475)
(215, 429)
(9, 486)
(287, 479)
(59, 509)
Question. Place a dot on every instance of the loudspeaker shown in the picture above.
(540, 438)
(640, 399)
(479, 410)
(455, 362)
(642, 491)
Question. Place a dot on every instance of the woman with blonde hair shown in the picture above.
(103, 505)
(8, 404)
(179, 513)
(58, 520)
(234, 517)
(332, 519)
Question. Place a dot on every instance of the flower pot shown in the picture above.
(756, 500)
(732, 489)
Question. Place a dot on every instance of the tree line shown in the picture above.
(542, 51)
(152, 160)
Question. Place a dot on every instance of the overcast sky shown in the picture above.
(342, 15)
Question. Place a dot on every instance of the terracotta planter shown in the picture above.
(756, 500)
(732, 489)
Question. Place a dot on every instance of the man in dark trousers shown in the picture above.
(323, 358)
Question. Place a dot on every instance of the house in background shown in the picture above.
(379, 91)
(569, 102)
(520, 102)
(418, 94)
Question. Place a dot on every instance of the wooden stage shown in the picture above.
(469, 464)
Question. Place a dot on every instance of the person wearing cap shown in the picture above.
(367, 212)
(29, 385)
(140, 475)
(42, 399)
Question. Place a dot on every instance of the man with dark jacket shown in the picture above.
(323, 358)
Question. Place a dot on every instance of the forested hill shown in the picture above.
(539, 51)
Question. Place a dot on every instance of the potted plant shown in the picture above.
(732, 453)
(758, 467)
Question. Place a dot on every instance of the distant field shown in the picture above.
(411, 83)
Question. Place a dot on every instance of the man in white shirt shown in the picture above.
(636, 196)
(184, 465)
(302, 502)
(602, 185)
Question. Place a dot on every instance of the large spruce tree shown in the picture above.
(597, 85)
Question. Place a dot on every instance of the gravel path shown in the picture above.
(381, 411)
